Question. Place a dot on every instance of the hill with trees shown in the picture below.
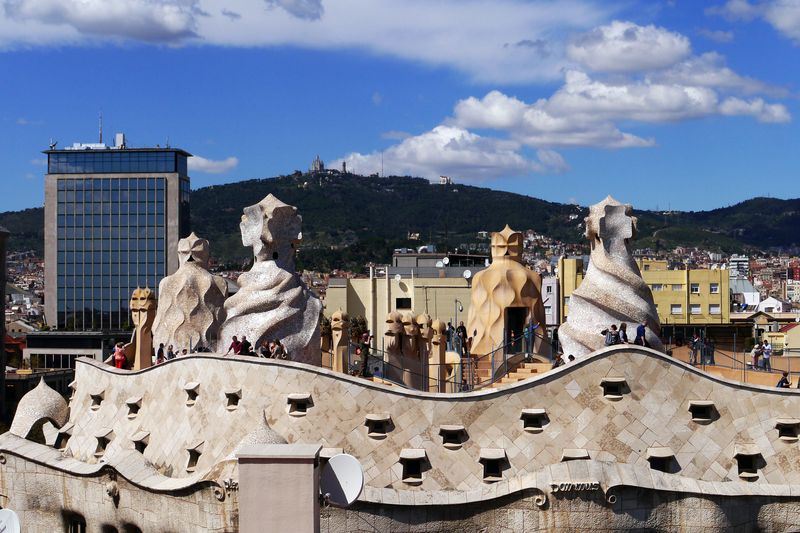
(349, 220)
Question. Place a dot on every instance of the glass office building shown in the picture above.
(113, 217)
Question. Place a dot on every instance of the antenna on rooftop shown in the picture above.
(101, 128)
(341, 480)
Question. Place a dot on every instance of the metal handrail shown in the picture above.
(466, 380)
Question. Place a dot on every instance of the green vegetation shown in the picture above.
(350, 220)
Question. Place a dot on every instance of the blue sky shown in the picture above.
(681, 104)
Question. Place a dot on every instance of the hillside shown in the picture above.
(349, 220)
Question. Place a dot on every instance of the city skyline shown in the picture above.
(669, 105)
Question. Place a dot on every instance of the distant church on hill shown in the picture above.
(318, 167)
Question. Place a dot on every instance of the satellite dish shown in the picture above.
(9, 521)
(398, 277)
(446, 260)
(439, 264)
(342, 480)
(467, 274)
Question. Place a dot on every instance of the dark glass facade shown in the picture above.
(115, 162)
(112, 231)
(111, 239)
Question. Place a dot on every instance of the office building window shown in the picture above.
(695, 309)
(114, 161)
(655, 287)
(549, 289)
(646, 268)
(677, 287)
(715, 288)
(714, 309)
(111, 238)
(402, 303)
(694, 288)
(675, 309)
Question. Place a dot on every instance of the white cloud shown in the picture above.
(211, 166)
(144, 20)
(470, 37)
(734, 10)
(377, 98)
(586, 111)
(626, 47)
(450, 150)
(304, 9)
(709, 70)
(39, 161)
(718, 36)
(756, 108)
(783, 15)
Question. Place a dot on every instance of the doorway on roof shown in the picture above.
(514, 326)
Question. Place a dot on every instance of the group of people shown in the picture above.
(702, 350)
(165, 354)
(272, 349)
(614, 335)
(457, 339)
(162, 354)
(761, 355)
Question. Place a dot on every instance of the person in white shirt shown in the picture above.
(767, 354)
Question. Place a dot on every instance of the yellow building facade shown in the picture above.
(570, 276)
(682, 297)
(445, 298)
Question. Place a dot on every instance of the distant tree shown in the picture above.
(358, 326)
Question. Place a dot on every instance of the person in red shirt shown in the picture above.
(236, 346)
(119, 356)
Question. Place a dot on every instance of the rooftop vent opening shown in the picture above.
(378, 425)
(748, 461)
(140, 441)
(192, 392)
(494, 461)
(134, 404)
(614, 387)
(232, 398)
(103, 440)
(788, 429)
(747, 466)
(662, 459)
(703, 411)
(97, 400)
(299, 403)
(574, 454)
(64, 434)
(414, 461)
(453, 436)
(194, 456)
(534, 420)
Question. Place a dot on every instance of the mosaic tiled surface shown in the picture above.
(653, 412)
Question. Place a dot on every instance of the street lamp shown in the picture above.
(459, 307)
